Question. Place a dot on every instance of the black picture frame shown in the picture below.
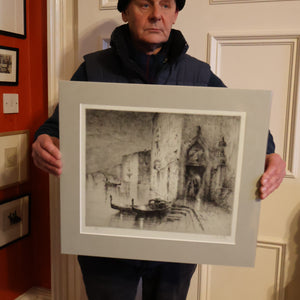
(4, 30)
(9, 66)
(15, 223)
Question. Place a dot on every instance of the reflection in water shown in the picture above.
(183, 216)
(177, 219)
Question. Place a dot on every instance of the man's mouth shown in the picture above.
(153, 29)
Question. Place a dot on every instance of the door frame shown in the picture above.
(62, 60)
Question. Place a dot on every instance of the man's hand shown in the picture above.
(273, 176)
(46, 154)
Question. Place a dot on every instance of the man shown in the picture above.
(145, 50)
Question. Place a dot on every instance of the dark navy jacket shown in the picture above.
(123, 64)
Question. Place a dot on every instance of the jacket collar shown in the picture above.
(173, 49)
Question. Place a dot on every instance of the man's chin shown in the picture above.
(155, 41)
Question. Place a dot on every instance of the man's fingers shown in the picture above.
(266, 190)
(273, 176)
(43, 165)
(46, 162)
(46, 154)
(51, 145)
(49, 155)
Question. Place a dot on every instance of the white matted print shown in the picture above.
(160, 172)
(14, 162)
(166, 171)
(13, 18)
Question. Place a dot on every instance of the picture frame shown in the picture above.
(13, 18)
(14, 219)
(163, 173)
(14, 162)
(108, 4)
(9, 66)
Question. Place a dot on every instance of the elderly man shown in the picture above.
(146, 50)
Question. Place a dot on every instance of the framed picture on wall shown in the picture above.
(164, 173)
(108, 4)
(14, 158)
(13, 18)
(14, 219)
(9, 66)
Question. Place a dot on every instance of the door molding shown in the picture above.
(274, 249)
(218, 41)
(62, 61)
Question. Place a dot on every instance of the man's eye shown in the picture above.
(165, 4)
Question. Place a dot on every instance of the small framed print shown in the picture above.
(14, 220)
(163, 173)
(9, 66)
(14, 161)
(13, 18)
(108, 4)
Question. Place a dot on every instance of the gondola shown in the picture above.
(123, 208)
(155, 207)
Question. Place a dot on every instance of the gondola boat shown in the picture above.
(123, 208)
(155, 207)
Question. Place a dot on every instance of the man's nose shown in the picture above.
(155, 13)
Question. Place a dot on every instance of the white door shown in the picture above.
(256, 45)
(249, 44)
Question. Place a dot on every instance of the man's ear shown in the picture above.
(175, 17)
(124, 16)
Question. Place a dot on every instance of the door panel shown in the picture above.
(242, 283)
(260, 54)
(273, 65)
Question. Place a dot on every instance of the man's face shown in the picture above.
(150, 22)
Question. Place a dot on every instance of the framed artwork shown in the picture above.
(13, 18)
(14, 162)
(164, 173)
(9, 66)
(14, 219)
(108, 4)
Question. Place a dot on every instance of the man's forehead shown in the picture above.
(122, 4)
(158, 0)
(152, 1)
